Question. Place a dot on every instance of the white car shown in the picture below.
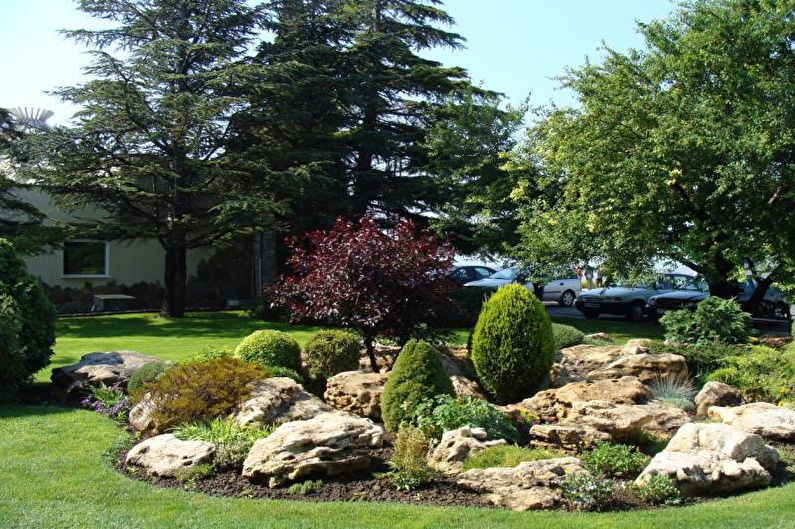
(562, 291)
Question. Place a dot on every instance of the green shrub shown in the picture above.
(270, 348)
(659, 490)
(409, 465)
(512, 344)
(276, 371)
(212, 352)
(713, 320)
(109, 401)
(445, 412)
(191, 475)
(27, 323)
(566, 336)
(146, 374)
(508, 456)
(302, 488)
(586, 491)
(232, 441)
(417, 375)
(762, 373)
(330, 352)
(615, 461)
(702, 358)
(676, 390)
(199, 391)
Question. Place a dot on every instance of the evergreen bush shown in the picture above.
(270, 348)
(330, 352)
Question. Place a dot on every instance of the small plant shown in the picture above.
(713, 320)
(615, 460)
(445, 412)
(330, 352)
(677, 390)
(408, 466)
(566, 336)
(270, 348)
(659, 490)
(512, 345)
(232, 441)
(508, 456)
(146, 374)
(109, 401)
(199, 391)
(192, 475)
(586, 491)
(302, 488)
(417, 375)
(762, 373)
(212, 353)
(277, 371)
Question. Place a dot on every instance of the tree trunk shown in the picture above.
(369, 345)
(718, 278)
(758, 296)
(175, 280)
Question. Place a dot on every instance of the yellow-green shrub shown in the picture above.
(270, 348)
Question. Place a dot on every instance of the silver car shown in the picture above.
(563, 291)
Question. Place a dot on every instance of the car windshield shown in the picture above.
(508, 274)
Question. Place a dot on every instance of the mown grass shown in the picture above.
(52, 476)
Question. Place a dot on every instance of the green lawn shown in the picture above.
(52, 476)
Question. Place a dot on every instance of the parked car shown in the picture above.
(773, 306)
(630, 300)
(462, 275)
(563, 291)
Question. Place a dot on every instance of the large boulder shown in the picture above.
(573, 363)
(645, 366)
(716, 394)
(712, 459)
(356, 392)
(624, 390)
(664, 419)
(762, 418)
(566, 436)
(465, 387)
(328, 444)
(167, 456)
(527, 486)
(278, 400)
(110, 368)
(456, 445)
(620, 421)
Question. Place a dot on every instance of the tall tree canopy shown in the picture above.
(149, 142)
(683, 151)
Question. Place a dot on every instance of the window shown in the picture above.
(83, 258)
(482, 273)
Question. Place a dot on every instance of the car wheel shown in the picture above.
(567, 299)
(782, 312)
(590, 314)
(635, 312)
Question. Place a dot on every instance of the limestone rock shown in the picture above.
(713, 458)
(645, 366)
(599, 337)
(456, 445)
(277, 400)
(166, 456)
(664, 419)
(620, 421)
(573, 363)
(527, 486)
(456, 361)
(93, 369)
(566, 436)
(624, 390)
(716, 394)
(762, 418)
(464, 387)
(331, 444)
(142, 416)
(356, 392)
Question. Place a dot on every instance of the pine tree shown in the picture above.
(149, 145)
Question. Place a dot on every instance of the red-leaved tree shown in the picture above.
(382, 282)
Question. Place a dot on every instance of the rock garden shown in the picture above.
(531, 415)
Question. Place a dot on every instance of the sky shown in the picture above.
(516, 47)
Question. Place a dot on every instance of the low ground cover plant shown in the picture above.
(509, 456)
(418, 375)
(713, 320)
(200, 391)
(761, 373)
(408, 465)
(566, 336)
(232, 441)
(270, 348)
(512, 344)
(658, 490)
(586, 491)
(330, 352)
(615, 460)
(146, 374)
(446, 412)
(111, 401)
(302, 488)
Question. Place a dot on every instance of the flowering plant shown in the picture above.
(109, 401)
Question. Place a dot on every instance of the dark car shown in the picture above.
(461, 275)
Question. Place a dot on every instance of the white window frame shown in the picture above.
(106, 275)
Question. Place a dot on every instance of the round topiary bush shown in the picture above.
(146, 374)
(330, 352)
(27, 323)
(270, 348)
(512, 344)
(417, 375)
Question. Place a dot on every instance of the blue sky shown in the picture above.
(513, 46)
